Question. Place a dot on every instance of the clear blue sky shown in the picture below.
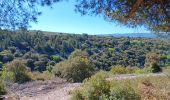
(63, 18)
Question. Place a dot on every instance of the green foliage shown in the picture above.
(130, 13)
(94, 88)
(144, 70)
(123, 92)
(40, 65)
(1, 64)
(97, 87)
(118, 69)
(75, 69)
(2, 88)
(168, 56)
(111, 50)
(16, 71)
(5, 52)
(56, 58)
(103, 51)
(137, 42)
(152, 62)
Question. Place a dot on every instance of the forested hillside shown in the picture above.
(41, 49)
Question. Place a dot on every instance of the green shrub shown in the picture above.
(2, 88)
(118, 69)
(122, 92)
(98, 88)
(75, 69)
(94, 88)
(1, 64)
(56, 58)
(144, 70)
(156, 68)
(16, 71)
(131, 69)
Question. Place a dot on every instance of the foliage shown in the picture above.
(18, 14)
(1, 64)
(140, 88)
(123, 92)
(75, 69)
(96, 47)
(145, 70)
(16, 71)
(94, 88)
(56, 58)
(152, 62)
(2, 88)
(153, 14)
(118, 69)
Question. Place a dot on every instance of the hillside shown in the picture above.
(40, 48)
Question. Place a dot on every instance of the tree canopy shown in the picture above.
(18, 13)
(153, 14)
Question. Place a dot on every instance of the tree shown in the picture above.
(18, 13)
(76, 68)
(151, 61)
(153, 14)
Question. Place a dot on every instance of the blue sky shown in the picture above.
(63, 18)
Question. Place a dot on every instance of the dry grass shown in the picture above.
(41, 76)
(150, 88)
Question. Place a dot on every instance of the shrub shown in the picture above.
(94, 88)
(131, 69)
(156, 68)
(56, 58)
(1, 64)
(118, 69)
(40, 65)
(76, 68)
(123, 92)
(17, 71)
(145, 70)
(2, 88)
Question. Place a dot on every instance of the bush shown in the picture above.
(75, 69)
(1, 64)
(2, 88)
(98, 88)
(94, 88)
(145, 70)
(122, 92)
(118, 69)
(40, 66)
(56, 58)
(16, 71)
(156, 68)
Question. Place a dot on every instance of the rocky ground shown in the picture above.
(55, 89)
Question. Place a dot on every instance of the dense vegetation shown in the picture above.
(41, 51)
(35, 55)
(141, 88)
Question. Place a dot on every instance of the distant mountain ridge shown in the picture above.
(142, 35)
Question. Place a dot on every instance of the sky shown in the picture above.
(62, 18)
